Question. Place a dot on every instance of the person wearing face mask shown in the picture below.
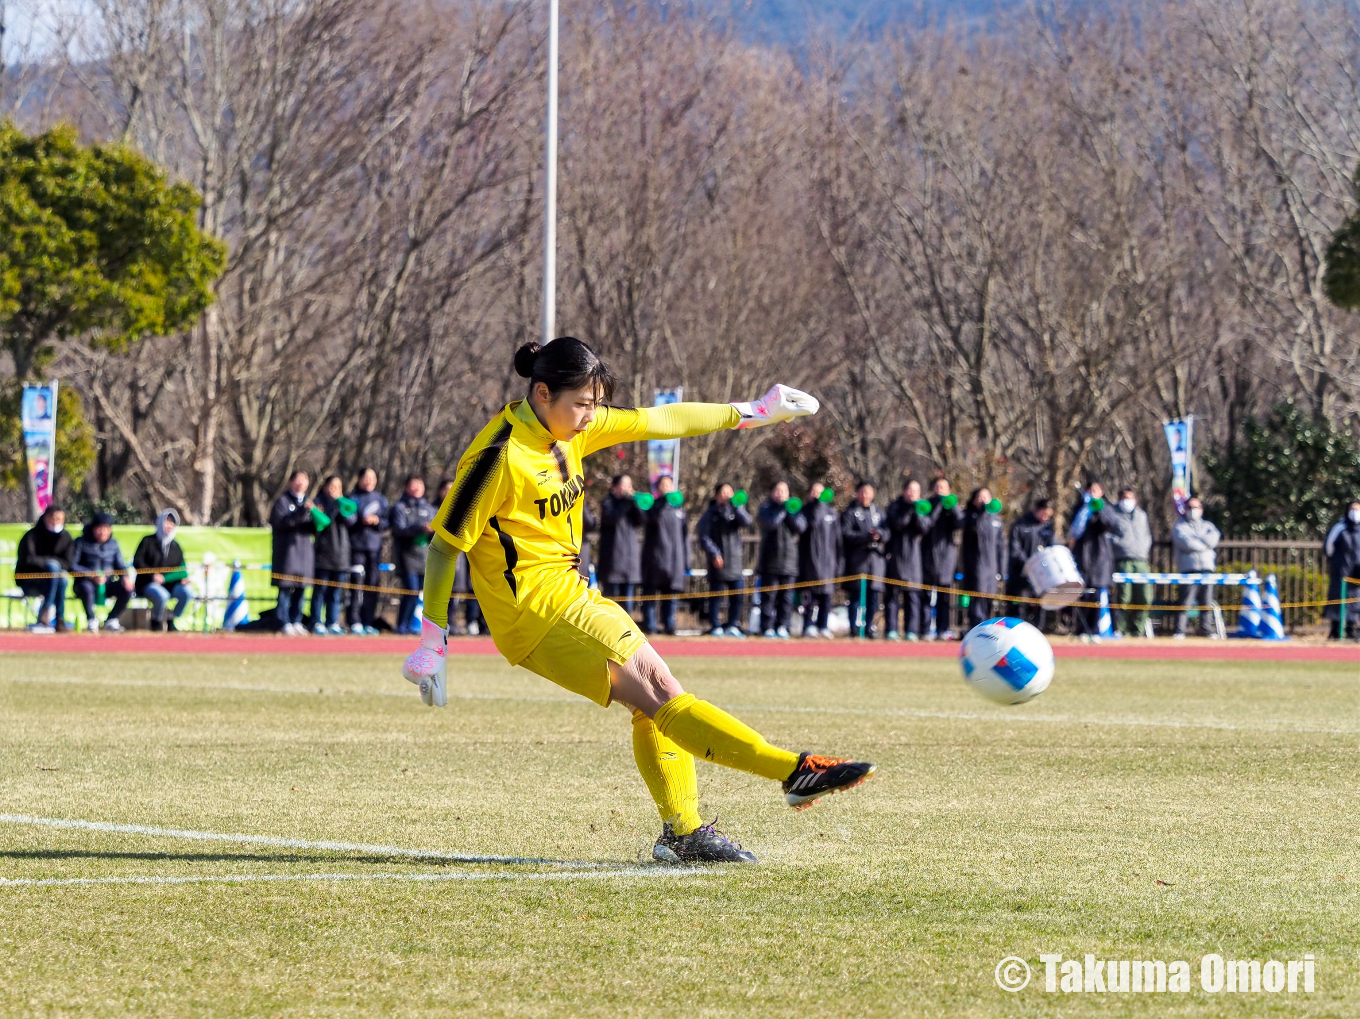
(1132, 547)
(161, 573)
(294, 556)
(1194, 541)
(983, 552)
(46, 550)
(1343, 562)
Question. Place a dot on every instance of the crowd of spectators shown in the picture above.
(333, 543)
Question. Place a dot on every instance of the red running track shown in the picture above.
(694, 647)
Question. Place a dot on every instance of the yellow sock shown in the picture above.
(669, 774)
(712, 734)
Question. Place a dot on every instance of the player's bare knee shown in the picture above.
(645, 681)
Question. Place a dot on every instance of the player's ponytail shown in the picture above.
(565, 363)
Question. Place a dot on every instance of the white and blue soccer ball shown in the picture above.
(1006, 660)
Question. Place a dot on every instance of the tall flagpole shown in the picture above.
(550, 186)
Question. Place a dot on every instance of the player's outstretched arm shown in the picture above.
(681, 420)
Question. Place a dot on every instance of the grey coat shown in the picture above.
(1194, 542)
(665, 547)
(1134, 540)
(984, 550)
(779, 534)
(865, 553)
(720, 535)
(293, 552)
(819, 548)
(620, 554)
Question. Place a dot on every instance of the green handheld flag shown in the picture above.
(793, 505)
(949, 501)
(675, 498)
(923, 507)
(319, 516)
(994, 506)
(827, 496)
(645, 501)
(1097, 504)
(348, 507)
(739, 497)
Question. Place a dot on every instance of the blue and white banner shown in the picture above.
(663, 455)
(1180, 437)
(38, 415)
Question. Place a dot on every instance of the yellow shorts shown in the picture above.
(575, 654)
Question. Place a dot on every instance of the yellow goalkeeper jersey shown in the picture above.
(515, 509)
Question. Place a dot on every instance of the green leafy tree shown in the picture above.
(1288, 475)
(95, 244)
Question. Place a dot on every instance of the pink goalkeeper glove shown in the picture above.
(427, 665)
(780, 404)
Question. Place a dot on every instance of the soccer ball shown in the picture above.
(1006, 660)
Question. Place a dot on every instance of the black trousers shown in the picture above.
(87, 589)
(1018, 587)
(944, 603)
(818, 610)
(874, 598)
(363, 605)
(776, 607)
(979, 609)
(734, 598)
(915, 603)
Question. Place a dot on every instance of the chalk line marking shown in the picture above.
(235, 879)
(287, 843)
(312, 691)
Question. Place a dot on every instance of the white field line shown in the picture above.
(287, 843)
(968, 716)
(234, 879)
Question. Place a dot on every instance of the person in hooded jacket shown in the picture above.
(1092, 533)
(1343, 563)
(781, 524)
(983, 552)
(907, 526)
(98, 562)
(665, 555)
(864, 534)
(161, 572)
(365, 551)
(720, 535)
(412, 520)
(294, 556)
(940, 555)
(621, 521)
(1033, 531)
(46, 549)
(334, 516)
(819, 559)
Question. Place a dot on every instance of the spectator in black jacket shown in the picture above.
(1092, 532)
(590, 524)
(334, 516)
(621, 522)
(983, 553)
(46, 549)
(665, 555)
(864, 534)
(720, 530)
(98, 562)
(365, 551)
(1343, 562)
(161, 572)
(781, 525)
(1033, 531)
(412, 519)
(819, 559)
(294, 557)
(910, 519)
(940, 555)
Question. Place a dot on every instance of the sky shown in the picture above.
(33, 24)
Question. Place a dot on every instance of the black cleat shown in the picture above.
(816, 777)
(704, 844)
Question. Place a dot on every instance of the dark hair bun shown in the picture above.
(525, 358)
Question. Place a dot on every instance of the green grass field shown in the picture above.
(1134, 811)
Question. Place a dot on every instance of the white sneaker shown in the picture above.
(717, 631)
(113, 626)
(427, 666)
(320, 630)
(735, 631)
(338, 629)
(474, 629)
(894, 635)
(92, 625)
(357, 629)
(782, 633)
(41, 628)
(811, 632)
(770, 634)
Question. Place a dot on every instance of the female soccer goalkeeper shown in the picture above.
(515, 509)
